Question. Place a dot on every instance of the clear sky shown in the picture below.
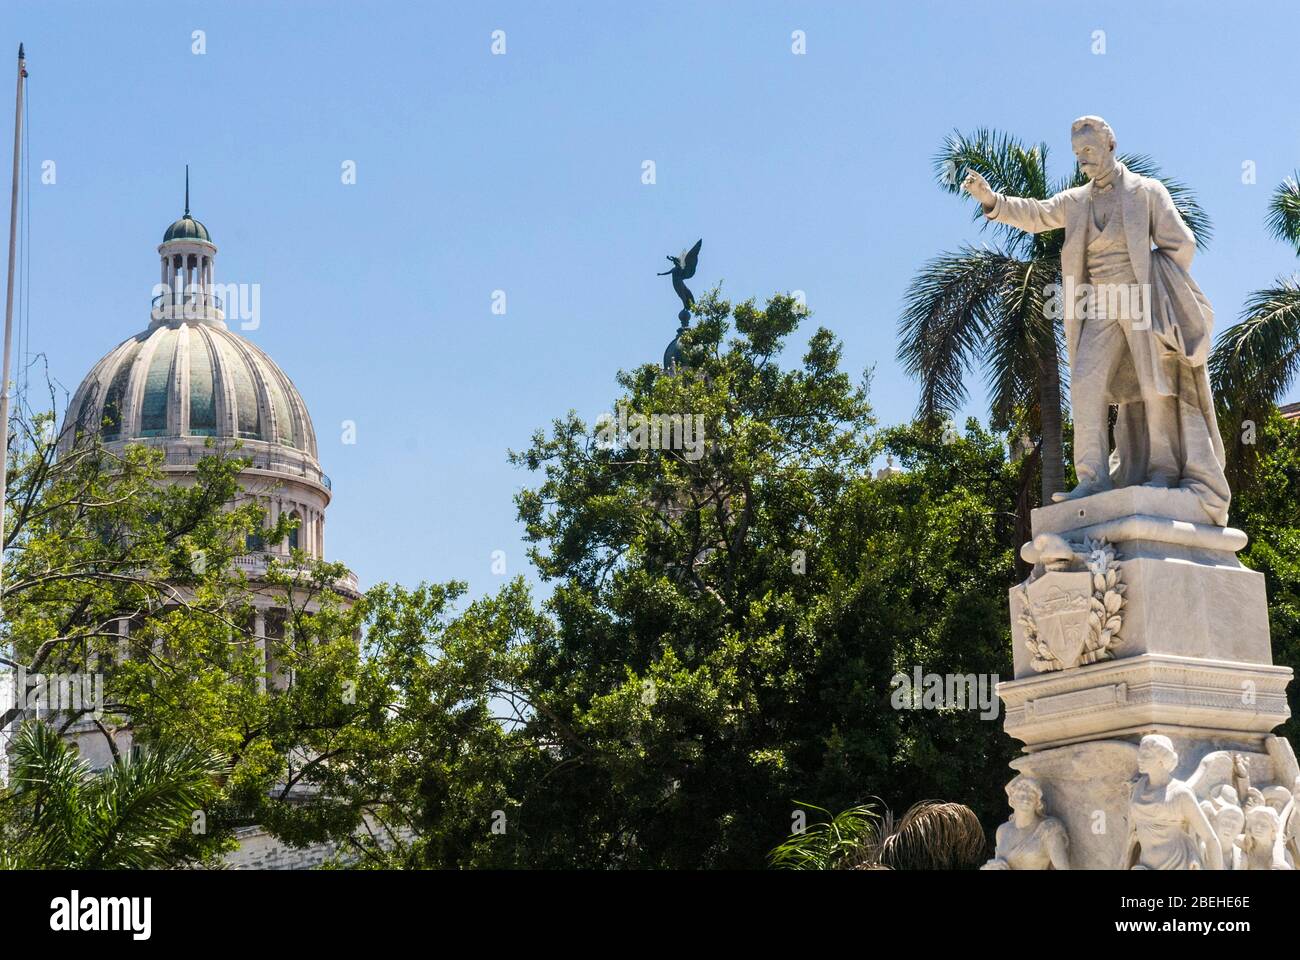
(522, 173)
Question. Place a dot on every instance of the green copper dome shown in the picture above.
(187, 228)
(193, 380)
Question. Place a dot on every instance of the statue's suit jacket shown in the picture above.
(1150, 218)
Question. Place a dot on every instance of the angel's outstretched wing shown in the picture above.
(1214, 770)
(690, 258)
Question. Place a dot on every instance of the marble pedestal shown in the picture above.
(1152, 626)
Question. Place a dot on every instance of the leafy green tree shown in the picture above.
(919, 570)
(685, 594)
(93, 537)
(415, 767)
(387, 730)
(1266, 509)
(727, 628)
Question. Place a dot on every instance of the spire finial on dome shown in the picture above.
(187, 189)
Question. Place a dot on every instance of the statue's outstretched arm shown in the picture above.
(1032, 216)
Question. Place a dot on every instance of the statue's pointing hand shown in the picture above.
(979, 188)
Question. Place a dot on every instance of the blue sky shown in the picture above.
(522, 173)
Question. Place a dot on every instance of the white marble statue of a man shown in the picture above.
(1137, 327)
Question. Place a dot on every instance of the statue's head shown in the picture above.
(1227, 794)
(1277, 797)
(1025, 794)
(1229, 823)
(1262, 823)
(1093, 142)
(1156, 752)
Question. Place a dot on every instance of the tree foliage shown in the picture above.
(726, 629)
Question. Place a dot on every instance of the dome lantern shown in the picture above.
(186, 290)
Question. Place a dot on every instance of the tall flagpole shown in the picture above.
(4, 374)
(9, 309)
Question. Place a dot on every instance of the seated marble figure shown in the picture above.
(1029, 840)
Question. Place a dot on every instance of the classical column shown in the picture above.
(259, 631)
(272, 513)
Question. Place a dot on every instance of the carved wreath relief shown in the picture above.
(1073, 612)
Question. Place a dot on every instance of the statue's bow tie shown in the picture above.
(1103, 187)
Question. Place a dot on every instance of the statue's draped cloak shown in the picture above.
(1174, 357)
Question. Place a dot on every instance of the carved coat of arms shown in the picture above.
(1072, 617)
(1059, 603)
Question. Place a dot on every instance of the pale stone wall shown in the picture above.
(258, 850)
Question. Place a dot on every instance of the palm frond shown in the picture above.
(934, 835)
(1008, 164)
(142, 802)
(129, 815)
(48, 777)
(1256, 361)
(1284, 212)
(829, 843)
(949, 308)
(1024, 334)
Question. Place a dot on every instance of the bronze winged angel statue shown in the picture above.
(683, 269)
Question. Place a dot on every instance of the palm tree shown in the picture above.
(991, 308)
(1255, 363)
(931, 835)
(829, 844)
(131, 815)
